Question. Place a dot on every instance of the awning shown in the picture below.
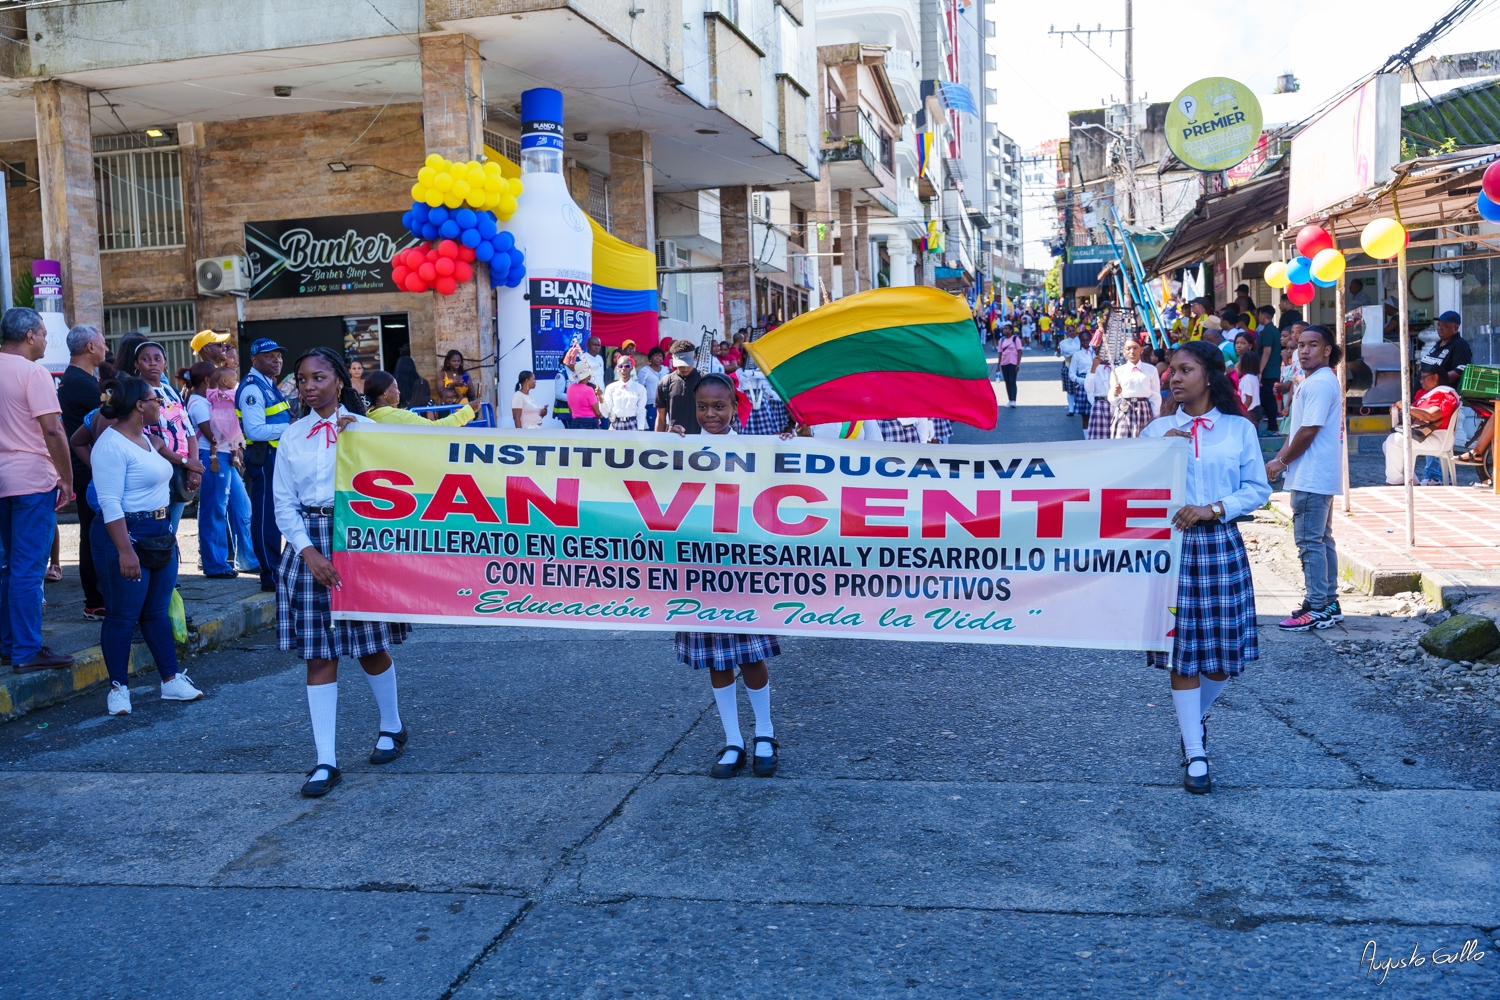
(1084, 274)
(1430, 191)
(1468, 114)
(1223, 218)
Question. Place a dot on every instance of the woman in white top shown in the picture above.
(304, 486)
(624, 404)
(1215, 635)
(523, 408)
(1079, 367)
(1097, 388)
(1249, 369)
(1134, 393)
(132, 481)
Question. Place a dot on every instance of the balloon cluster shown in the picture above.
(445, 265)
(1384, 239)
(1489, 194)
(449, 184)
(1318, 264)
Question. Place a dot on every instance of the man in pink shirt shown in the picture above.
(36, 478)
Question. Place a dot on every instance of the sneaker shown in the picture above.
(1334, 612)
(1306, 619)
(180, 688)
(94, 614)
(119, 700)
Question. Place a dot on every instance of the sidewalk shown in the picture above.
(218, 610)
(1457, 551)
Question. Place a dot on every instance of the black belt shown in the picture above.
(322, 511)
(159, 514)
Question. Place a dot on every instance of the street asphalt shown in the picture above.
(947, 821)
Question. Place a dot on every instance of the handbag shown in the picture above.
(179, 487)
(156, 551)
(257, 452)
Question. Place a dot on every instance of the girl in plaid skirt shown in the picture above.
(1097, 388)
(1135, 391)
(303, 490)
(1215, 635)
(720, 652)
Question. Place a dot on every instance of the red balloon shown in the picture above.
(399, 273)
(411, 257)
(1301, 295)
(431, 255)
(466, 254)
(1491, 182)
(462, 271)
(445, 285)
(1313, 240)
(448, 248)
(443, 266)
(414, 283)
(428, 273)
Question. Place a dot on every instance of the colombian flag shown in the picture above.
(881, 354)
(624, 291)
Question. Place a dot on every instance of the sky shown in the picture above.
(1327, 44)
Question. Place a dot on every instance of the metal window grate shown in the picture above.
(140, 198)
(172, 324)
(134, 140)
(599, 201)
(504, 145)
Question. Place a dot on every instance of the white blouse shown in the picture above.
(1137, 381)
(305, 465)
(1225, 464)
(127, 477)
(623, 400)
(1098, 382)
(1079, 365)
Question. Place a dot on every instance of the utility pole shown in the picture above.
(1086, 36)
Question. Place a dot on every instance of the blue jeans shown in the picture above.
(213, 509)
(239, 524)
(130, 601)
(1312, 530)
(27, 523)
(263, 531)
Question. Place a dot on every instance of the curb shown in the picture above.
(23, 693)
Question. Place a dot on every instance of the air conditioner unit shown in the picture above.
(221, 275)
(666, 253)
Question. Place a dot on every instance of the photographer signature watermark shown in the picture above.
(1372, 962)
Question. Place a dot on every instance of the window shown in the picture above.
(138, 184)
(599, 201)
(504, 145)
(15, 174)
(171, 324)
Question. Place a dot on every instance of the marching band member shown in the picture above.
(1135, 394)
(1215, 634)
(1097, 388)
(303, 492)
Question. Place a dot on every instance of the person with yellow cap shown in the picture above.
(210, 346)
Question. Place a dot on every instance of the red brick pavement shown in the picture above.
(1457, 527)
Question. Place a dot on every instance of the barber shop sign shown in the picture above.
(332, 255)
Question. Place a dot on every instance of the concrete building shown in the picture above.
(1006, 237)
(952, 66)
(149, 137)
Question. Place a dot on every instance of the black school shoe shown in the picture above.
(1198, 786)
(379, 756)
(728, 770)
(764, 767)
(321, 787)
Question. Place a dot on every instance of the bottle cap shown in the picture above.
(541, 119)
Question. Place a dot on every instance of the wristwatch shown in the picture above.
(1218, 508)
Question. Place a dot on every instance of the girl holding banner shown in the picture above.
(303, 489)
(1215, 635)
(717, 404)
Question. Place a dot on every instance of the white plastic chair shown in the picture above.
(1440, 443)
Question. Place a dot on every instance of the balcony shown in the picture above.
(858, 154)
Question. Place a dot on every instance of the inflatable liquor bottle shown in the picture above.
(550, 310)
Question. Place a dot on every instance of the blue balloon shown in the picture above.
(449, 230)
(500, 264)
(469, 238)
(437, 216)
(429, 231)
(516, 257)
(504, 241)
(465, 218)
(484, 251)
(486, 226)
(408, 222)
(1488, 210)
(1324, 284)
(515, 277)
(1299, 271)
(419, 211)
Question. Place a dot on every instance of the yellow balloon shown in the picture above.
(492, 167)
(419, 192)
(507, 206)
(460, 189)
(1383, 239)
(515, 186)
(491, 184)
(426, 174)
(434, 198)
(1328, 265)
(474, 165)
(443, 181)
(434, 161)
(451, 200)
(1275, 275)
(492, 200)
(475, 198)
(475, 175)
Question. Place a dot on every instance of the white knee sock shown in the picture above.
(729, 714)
(760, 702)
(1189, 716)
(323, 707)
(383, 687)
(1208, 692)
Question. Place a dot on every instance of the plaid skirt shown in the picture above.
(770, 417)
(1099, 420)
(719, 651)
(1067, 382)
(895, 430)
(942, 430)
(1130, 418)
(1080, 400)
(303, 618)
(623, 424)
(1215, 630)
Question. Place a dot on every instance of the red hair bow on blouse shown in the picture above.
(1205, 424)
(330, 431)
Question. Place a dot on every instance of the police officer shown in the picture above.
(1451, 354)
(264, 415)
